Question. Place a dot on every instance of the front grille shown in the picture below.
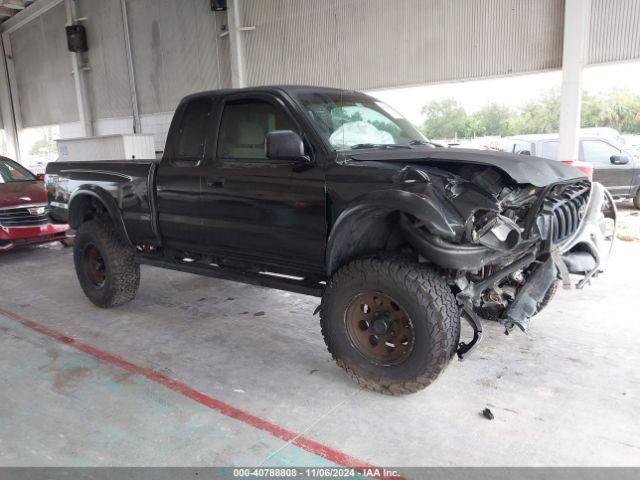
(24, 216)
(567, 205)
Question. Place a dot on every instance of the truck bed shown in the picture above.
(124, 184)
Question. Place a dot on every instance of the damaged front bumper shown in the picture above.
(585, 253)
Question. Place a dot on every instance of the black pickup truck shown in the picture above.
(332, 193)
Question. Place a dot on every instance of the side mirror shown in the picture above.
(284, 145)
(524, 152)
(621, 159)
(40, 177)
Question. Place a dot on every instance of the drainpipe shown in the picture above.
(236, 43)
(79, 76)
(137, 126)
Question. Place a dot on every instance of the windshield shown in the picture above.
(349, 121)
(10, 171)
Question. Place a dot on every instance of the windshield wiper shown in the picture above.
(383, 146)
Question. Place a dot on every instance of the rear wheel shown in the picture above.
(392, 324)
(105, 265)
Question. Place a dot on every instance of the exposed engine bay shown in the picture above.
(514, 243)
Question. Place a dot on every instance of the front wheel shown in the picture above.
(392, 324)
(105, 265)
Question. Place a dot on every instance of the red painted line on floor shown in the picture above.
(300, 441)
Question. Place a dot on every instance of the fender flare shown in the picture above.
(106, 200)
(439, 217)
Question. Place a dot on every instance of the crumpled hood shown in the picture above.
(523, 169)
(14, 194)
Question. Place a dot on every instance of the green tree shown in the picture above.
(473, 127)
(541, 115)
(619, 109)
(496, 119)
(592, 107)
(444, 119)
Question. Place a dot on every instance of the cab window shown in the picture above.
(192, 129)
(244, 126)
(598, 151)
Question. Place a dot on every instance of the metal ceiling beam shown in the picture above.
(10, 8)
(27, 14)
(7, 12)
(7, 107)
(13, 4)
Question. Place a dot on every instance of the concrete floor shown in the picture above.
(567, 394)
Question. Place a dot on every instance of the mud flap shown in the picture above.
(531, 295)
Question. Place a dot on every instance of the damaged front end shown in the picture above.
(514, 243)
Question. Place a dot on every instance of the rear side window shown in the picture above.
(244, 126)
(193, 129)
(549, 150)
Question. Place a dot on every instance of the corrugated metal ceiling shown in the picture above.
(180, 47)
(377, 43)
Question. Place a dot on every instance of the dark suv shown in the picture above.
(615, 167)
(332, 193)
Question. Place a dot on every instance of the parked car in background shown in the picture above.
(24, 213)
(614, 166)
(604, 132)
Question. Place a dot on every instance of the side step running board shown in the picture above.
(264, 279)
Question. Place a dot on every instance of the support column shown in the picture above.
(236, 45)
(78, 66)
(6, 105)
(574, 59)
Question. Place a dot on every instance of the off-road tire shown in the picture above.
(122, 273)
(427, 299)
(551, 292)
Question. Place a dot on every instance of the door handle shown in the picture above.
(215, 182)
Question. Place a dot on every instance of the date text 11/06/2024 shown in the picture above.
(326, 472)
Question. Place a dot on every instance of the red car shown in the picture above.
(24, 213)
